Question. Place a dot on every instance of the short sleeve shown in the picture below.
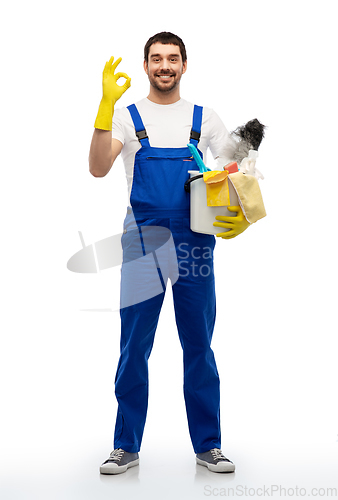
(118, 128)
(221, 143)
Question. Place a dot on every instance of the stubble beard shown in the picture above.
(165, 87)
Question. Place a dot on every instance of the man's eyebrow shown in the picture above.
(159, 55)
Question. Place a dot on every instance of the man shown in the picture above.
(152, 138)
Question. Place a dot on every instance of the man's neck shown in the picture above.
(163, 97)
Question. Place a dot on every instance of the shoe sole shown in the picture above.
(225, 466)
(109, 469)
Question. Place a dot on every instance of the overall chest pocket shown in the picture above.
(159, 182)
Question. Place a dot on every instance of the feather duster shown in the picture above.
(246, 137)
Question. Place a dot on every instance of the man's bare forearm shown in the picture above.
(100, 154)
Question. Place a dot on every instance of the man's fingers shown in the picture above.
(228, 218)
(226, 223)
(229, 237)
(123, 75)
(108, 65)
(226, 235)
(116, 63)
(234, 208)
(127, 83)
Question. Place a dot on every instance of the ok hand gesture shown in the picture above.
(111, 90)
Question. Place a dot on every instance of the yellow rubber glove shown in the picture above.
(236, 224)
(111, 92)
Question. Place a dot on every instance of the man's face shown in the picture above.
(165, 66)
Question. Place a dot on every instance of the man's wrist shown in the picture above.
(104, 118)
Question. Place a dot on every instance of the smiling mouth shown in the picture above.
(165, 77)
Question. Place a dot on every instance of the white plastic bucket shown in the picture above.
(202, 217)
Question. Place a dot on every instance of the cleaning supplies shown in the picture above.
(217, 188)
(249, 196)
(248, 165)
(203, 216)
(210, 193)
(245, 138)
(232, 196)
(197, 158)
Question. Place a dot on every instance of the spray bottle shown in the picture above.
(248, 165)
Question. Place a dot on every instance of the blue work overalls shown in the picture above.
(158, 198)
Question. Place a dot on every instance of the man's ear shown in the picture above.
(145, 66)
(184, 67)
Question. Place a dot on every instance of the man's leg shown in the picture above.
(142, 294)
(138, 326)
(195, 316)
(195, 310)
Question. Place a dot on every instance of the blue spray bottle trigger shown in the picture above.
(197, 158)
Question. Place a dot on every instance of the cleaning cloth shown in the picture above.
(217, 188)
(249, 195)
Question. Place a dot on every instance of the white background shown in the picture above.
(275, 336)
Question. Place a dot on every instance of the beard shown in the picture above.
(163, 86)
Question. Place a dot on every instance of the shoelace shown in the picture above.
(218, 455)
(116, 455)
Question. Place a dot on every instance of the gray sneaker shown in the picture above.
(215, 461)
(119, 461)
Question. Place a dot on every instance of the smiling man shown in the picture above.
(152, 137)
(164, 65)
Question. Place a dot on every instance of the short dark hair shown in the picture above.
(166, 38)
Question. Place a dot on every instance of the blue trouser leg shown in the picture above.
(201, 380)
(195, 311)
(138, 325)
(142, 294)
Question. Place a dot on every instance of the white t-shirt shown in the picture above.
(169, 126)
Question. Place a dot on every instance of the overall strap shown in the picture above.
(138, 124)
(195, 133)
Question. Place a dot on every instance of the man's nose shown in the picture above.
(165, 64)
